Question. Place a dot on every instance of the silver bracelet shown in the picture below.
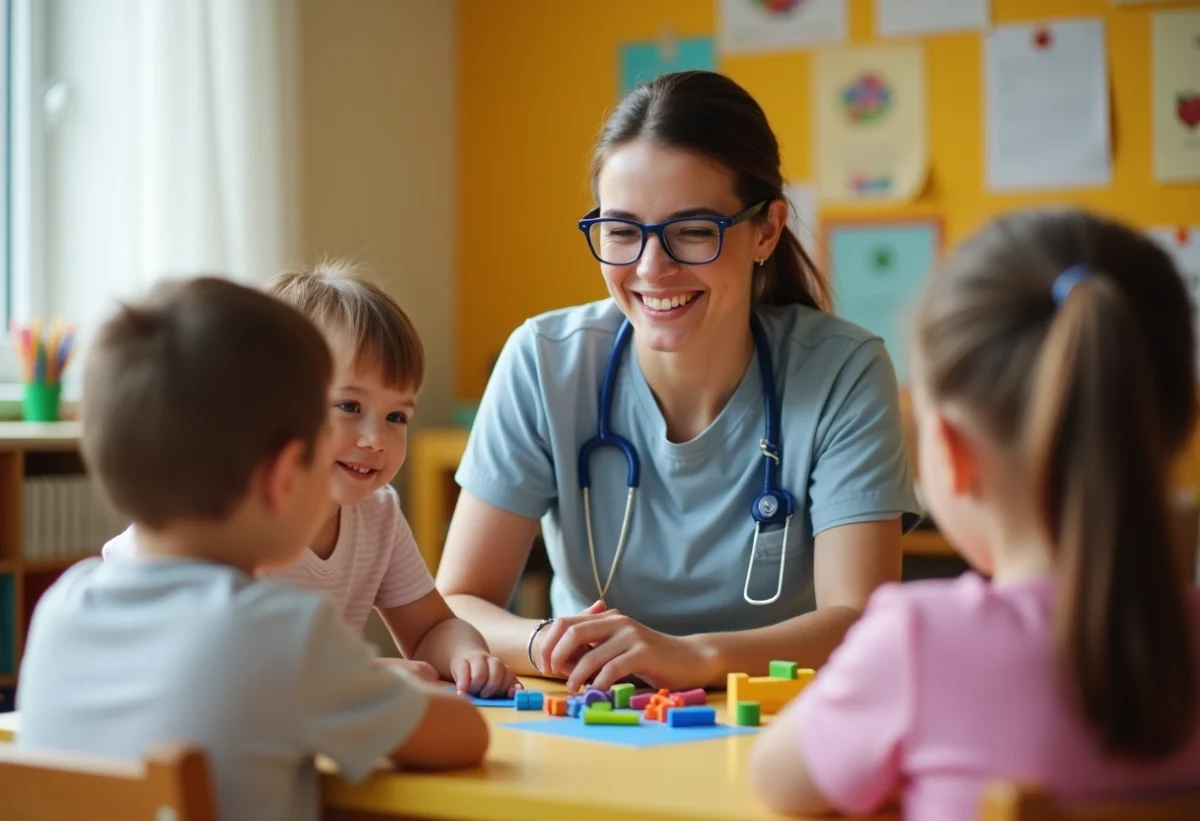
(529, 646)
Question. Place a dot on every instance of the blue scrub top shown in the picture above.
(684, 565)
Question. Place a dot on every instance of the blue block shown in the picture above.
(528, 700)
(691, 717)
(574, 706)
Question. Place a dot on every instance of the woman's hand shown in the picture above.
(604, 646)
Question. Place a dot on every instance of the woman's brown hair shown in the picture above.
(711, 115)
(1094, 388)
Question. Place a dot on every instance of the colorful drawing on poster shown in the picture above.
(877, 268)
(642, 62)
(1176, 92)
(867, 99)
(759, 26)
(872, 130)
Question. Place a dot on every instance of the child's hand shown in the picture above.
(481, 674)
(421, 669)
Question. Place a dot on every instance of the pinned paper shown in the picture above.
(1176, 91)
(906, 18)
(756, 26)
(642, 62)
(877, 270)
(1047, 106)
(1183, 244)
(871, 124)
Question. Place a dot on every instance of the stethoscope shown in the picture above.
(772, 506)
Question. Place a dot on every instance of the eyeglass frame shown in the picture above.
(657, 229)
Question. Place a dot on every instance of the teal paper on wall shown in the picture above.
(642, 62)
(877, 270)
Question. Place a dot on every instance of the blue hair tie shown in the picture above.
(1067, 280)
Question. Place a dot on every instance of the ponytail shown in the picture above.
(1121, 636)
(790, 277)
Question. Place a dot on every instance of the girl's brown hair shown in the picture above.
(1096, 393)
(339, 300)
(710, 114)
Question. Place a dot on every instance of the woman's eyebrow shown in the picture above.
(703, 211)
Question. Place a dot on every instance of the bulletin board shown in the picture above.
(537, 80)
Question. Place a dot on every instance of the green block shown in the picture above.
(749, 714)
(621, 694)
(600, 706)
(594, 716)
(783, 669)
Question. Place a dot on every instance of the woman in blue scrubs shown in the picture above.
(707, 574)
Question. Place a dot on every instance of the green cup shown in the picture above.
(41, 402)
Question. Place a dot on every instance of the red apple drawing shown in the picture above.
(1187, 109)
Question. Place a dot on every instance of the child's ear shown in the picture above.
(962, 458)
(277, 475)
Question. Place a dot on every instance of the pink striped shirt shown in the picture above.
(375, 562)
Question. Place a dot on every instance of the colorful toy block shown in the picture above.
(640, 701)
(602, 706)
(574, 706)
(593, 696)
(621, 694)
(528, 700)
(691, 717)
(693, 698)
(594, 716)
(770, 693)
(783, 669)
(748, 714)
(556, 706)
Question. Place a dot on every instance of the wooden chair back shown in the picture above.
(172, 783)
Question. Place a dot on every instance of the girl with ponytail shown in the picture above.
(1055, 383)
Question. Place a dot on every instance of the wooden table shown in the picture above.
(532, 777)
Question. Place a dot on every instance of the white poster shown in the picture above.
(1047, 106)
(1183, 244)
(754, 26)
(802, 215)
(903, 18)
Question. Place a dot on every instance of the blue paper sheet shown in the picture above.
(877, 270)
(642, 62)
(646, 734)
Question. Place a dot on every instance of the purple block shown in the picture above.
(591, 695)
(691, 717)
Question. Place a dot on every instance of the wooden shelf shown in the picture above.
(8, 566)
(41, 436)
(52, 565)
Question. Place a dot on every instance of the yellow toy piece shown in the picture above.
(771, 693)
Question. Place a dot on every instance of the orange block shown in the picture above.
(556, 706)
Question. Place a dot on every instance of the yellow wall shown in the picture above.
(377, 129)
(537, 77)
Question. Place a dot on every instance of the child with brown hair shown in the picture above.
(364, 554)
(1054, 383)
(205, 422)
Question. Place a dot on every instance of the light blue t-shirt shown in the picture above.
(684, 566)
(129, 653)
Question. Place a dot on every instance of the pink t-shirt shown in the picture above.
(944, 685)
(375, 563)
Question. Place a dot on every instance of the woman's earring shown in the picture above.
(761, 262)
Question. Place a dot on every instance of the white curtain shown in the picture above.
(163, 144)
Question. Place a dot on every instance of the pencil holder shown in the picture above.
(42, 401)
